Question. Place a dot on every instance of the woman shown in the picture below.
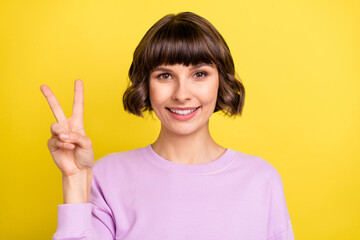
(184, 185)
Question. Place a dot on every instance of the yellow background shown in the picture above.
(299, 61)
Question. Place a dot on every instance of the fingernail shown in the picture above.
(64, 136)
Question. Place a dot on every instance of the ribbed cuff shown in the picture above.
(74, 217)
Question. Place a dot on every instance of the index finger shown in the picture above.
(54, 104)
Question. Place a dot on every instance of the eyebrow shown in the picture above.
(193, 67)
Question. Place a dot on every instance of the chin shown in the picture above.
(183, 131)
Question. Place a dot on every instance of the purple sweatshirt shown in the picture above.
(138, 195)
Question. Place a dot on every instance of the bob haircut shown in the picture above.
(189, 39)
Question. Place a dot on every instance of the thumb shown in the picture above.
(76, 138)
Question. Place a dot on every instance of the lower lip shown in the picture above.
(183, 117)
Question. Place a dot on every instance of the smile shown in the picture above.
(182, 112)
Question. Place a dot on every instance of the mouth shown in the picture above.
(182, 111)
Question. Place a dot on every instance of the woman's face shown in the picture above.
(183, 98)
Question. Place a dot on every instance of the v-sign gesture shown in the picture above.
(69, 146)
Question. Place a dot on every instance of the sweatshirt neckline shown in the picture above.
(215, 166)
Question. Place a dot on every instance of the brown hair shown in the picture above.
(184, 38)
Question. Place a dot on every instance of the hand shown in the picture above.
(72, 154)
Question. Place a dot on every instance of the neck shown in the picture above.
(196, 148)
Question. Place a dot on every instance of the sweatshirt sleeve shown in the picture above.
(86, 221)
(279, 223)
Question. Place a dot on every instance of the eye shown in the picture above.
(164, 76)
(200, 74)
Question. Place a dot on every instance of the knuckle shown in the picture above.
(61, 144)
(54, 142)
(72, 136)
(88, 141)
(82, 131)
(53, 126)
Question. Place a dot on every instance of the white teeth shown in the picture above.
(183, 112)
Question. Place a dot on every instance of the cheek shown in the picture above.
(157, 95)
(208, 94)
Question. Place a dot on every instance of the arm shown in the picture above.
(279, 223)
(84, 221)
(72, 151)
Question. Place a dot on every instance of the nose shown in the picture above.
(182, 91)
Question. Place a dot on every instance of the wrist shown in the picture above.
(76, 188)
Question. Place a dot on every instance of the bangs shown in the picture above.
(180, 42)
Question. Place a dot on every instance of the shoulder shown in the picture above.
(117, 161)
(255, 166)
